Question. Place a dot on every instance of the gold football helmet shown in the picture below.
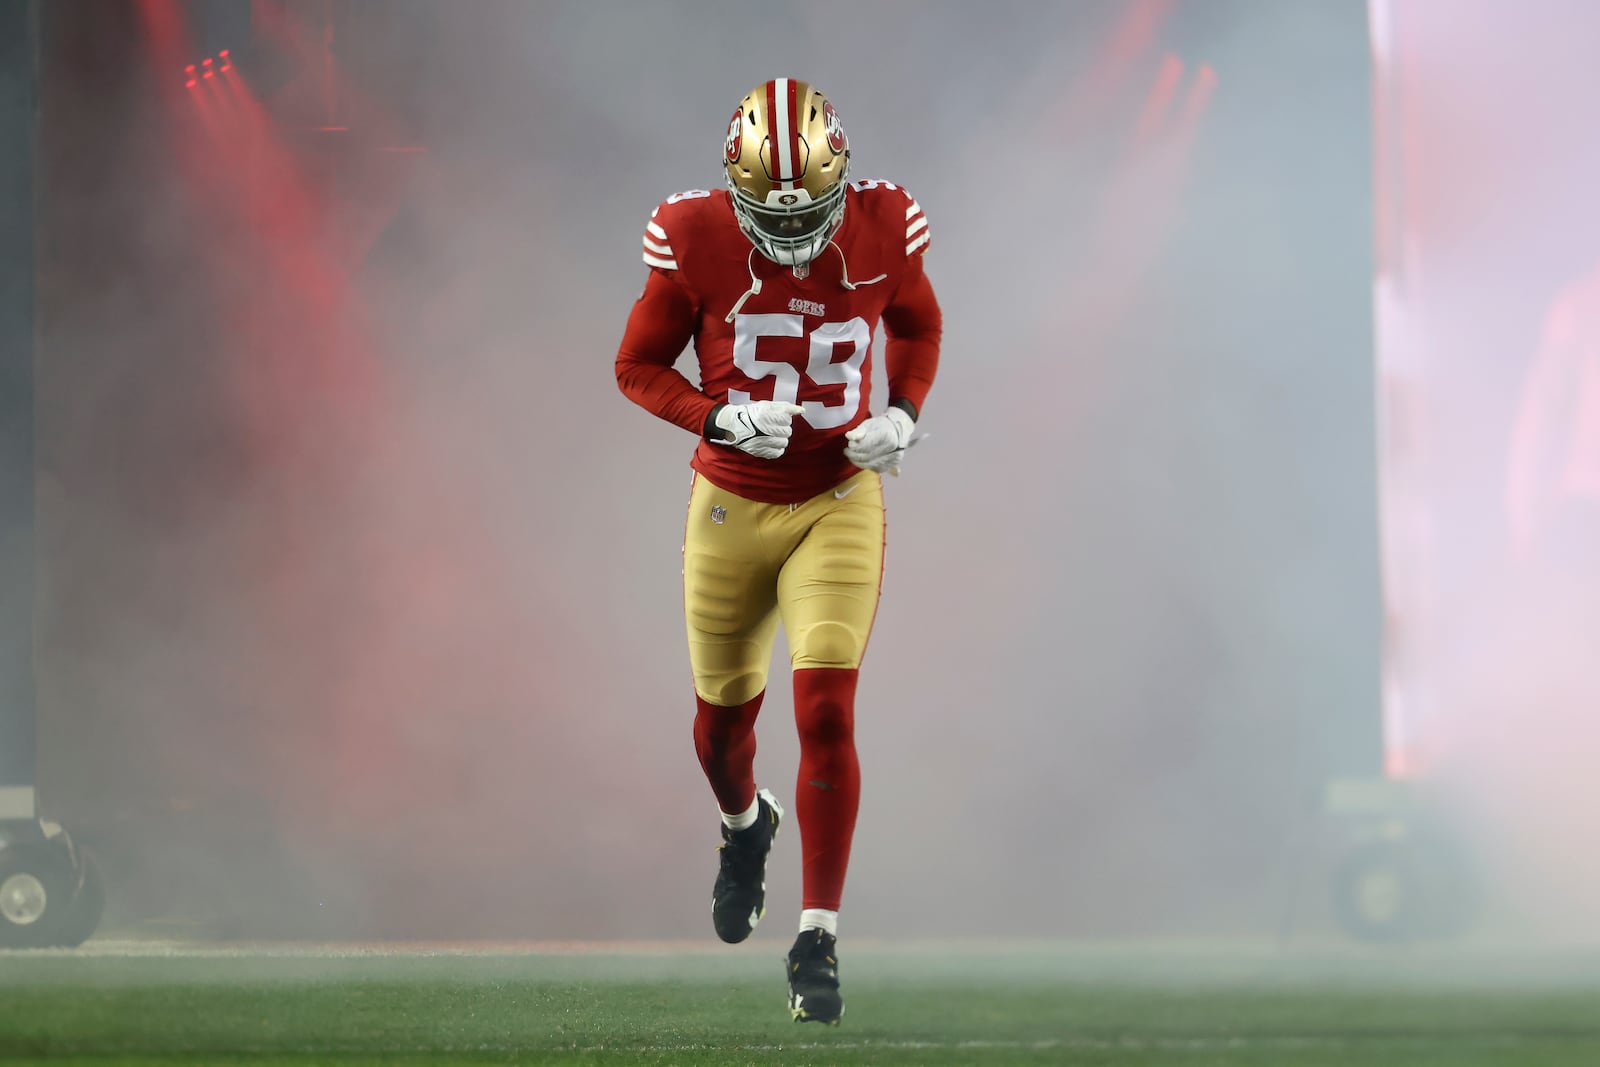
(787, 159)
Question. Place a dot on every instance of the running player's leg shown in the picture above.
(828, 597)
(730, 611)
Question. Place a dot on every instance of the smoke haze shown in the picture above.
(360, 595)
(1492, 466)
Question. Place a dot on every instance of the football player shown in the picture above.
(780, 281)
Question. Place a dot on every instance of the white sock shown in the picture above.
(745, 819)
(818, 919)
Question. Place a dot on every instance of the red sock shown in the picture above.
(725, 740)
(829, 789)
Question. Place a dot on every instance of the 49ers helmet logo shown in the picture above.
(735, 139)
(835, 128)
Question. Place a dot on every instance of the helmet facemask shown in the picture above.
(790, 228)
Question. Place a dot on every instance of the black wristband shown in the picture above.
(712, 432)
(905, 405)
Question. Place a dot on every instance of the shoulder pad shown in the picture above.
(658, 231)
(916, 222)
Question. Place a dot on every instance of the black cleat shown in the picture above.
(814, 978)
(739, 898)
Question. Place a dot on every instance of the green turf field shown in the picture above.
(153, 1004)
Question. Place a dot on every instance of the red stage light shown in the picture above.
(190, 84)
(209, 73)
(207, 61)
(224, 53)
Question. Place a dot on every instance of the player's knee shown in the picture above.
(730, 690)
(829, 644)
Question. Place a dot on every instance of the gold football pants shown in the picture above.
(816, 565)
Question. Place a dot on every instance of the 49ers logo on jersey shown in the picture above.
(735, 136)
(835, 128)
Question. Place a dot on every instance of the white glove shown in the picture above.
(880, 443)
(761, 428)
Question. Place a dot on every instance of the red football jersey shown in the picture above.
(763, 331)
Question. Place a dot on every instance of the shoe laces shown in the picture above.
(820, 949)
(743, 851)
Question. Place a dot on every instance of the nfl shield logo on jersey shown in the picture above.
(719, 514)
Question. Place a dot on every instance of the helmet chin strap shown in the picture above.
(755, 282)
(844, 271)
(754, 290)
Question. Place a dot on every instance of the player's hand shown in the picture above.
(880, 443)
(761, 428)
